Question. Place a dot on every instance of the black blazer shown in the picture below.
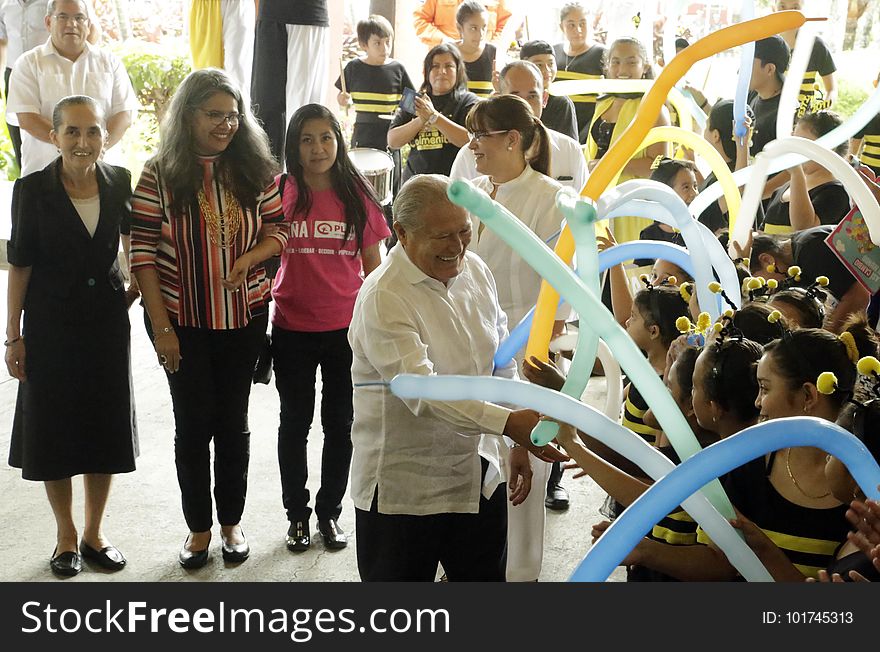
(72, 273)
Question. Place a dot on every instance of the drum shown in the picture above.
(377, 166)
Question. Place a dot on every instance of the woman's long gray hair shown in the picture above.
(246, 166)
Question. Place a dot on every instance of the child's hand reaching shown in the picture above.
(545, 374)
(606, 241)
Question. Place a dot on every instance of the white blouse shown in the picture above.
(532, 198)
(89, 211)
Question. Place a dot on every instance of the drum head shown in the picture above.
(370, 161)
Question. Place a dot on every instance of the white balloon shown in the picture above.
(809, 149)
(830, 140)
(791, 89)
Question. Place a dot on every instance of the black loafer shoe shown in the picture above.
(334, 536)
(192, 559)
(298, 536)
(557, 498)
(67, 564)
(235, 553)
(108, 557)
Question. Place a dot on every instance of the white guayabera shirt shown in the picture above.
(422, 455)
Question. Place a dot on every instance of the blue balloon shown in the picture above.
(588, 419)
(747, 56)
(675, 254)
(714, 461)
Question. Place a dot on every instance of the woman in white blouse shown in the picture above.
(512, 151)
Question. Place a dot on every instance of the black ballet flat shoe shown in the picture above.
(192, 559)
(235, 553)
(109, 557)
(333, 535)
(67, 564)
(299, 539)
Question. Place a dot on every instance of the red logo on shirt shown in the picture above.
(326, 229)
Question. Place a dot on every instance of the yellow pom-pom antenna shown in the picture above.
(683, 324)
(747, 262)
(703, 321)
(822, 281)
(774, 316)
(826, 383)
(772, 284)
(717, 327)
(671, 280)
(715, 287)
(771, 268)
(643, 278)
(868, 365)
(753, 283)
(728, 313)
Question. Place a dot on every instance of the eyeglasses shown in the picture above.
(218, 117)
(79, 19)
(477, 136)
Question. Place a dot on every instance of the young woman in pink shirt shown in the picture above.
(336, 226)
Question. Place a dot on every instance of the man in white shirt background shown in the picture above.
(22, 28)
(66, 65)
(421, 489)
(567, 163)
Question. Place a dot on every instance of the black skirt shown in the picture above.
(75, 412)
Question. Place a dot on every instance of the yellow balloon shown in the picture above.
(702, 147)
(619, 153)
(598, 86)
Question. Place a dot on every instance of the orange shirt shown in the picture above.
(436, 19)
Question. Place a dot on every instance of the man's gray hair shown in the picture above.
(50, 7)
(418, 194)
(525, 65)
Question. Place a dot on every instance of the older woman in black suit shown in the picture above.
(74, 414)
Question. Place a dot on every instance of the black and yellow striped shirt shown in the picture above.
(375, 90)
(479, 72)
(808, 537)
(587, 65)
(811, 97)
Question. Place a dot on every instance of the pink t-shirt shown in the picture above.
(320, 273)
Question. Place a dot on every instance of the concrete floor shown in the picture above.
(144, 518)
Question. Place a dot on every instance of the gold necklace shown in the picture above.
(223, 227)
(791, 475)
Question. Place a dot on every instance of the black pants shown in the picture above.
(14, 131)
(296, 356)
(269, 82)
(404, 548)
(210, 393)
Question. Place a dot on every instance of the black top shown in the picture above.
(295, 12)
(602, 132)
(479, 72)
(765, 121)
(821, 64)
(365, 81)
(857, 561)
(830, 201)
(431, 152)
(655, 232)
(871, 151)
(587, 65)
(559, 116)
(815, 258)
(807, 536)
